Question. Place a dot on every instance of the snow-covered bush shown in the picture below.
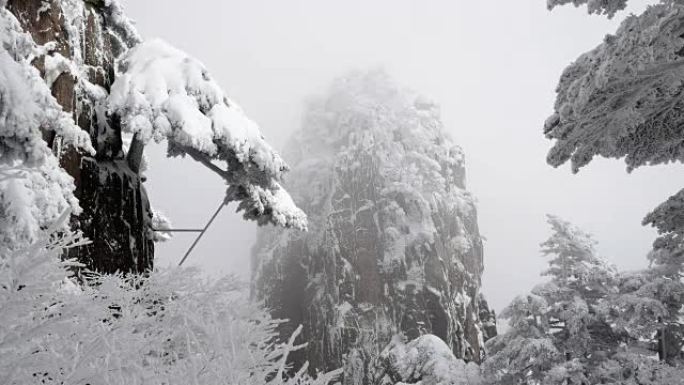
(169, 327)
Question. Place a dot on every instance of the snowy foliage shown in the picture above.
(526, 351)
(601, 7)
(161, 93)
(427, 360)
(622, 99)
(34, 190)
(170, 327)
(668, 248)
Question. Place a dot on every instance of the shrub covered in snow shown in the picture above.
(170, 327)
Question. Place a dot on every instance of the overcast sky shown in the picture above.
(492, 66)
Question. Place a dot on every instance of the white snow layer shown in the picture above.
(622, 99)
(34, 190)
(427, 360)
(601, 7)
(162, 93)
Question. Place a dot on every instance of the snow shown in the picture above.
(622, 99)
(604, 7)
(161, 93)
(160, 222)
(34, 190)
(427, 360)
(169, 326)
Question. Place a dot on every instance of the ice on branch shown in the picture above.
(34, 190)
(162, 93)
(623, 98)
(599, 7)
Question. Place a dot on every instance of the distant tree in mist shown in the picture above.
(556, 333)
(588, 324)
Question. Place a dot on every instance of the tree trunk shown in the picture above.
(116, 213)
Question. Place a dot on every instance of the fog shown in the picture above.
(491, 65)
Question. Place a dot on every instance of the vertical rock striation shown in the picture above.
(393, 243)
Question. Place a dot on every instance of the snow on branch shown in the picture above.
(669, 215)
(623, 98)
(599, 7)
(162, 93)
(668, 219)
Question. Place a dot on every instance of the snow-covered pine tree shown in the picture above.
(557, 334)
(580, 280)
(624, 99)
(526, 351)
(76, 80)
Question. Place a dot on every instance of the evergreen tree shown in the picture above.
(557, 334)
(623, 100)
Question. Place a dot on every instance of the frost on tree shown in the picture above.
(601, 7)
(393, 245)
(34, 190)
(66, 110)
(623, 98)
(162, 93)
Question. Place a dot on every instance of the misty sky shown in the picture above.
(491, 65)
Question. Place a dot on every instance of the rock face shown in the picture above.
(393, 243)
(116, 216)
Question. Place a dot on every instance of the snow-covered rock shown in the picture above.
(393, 244)
(427, 360)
